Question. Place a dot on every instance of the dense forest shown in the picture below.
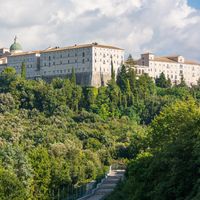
(59, 134)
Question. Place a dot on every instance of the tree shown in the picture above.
(7, 102)
(169, 168)
(10, 186)
(122, 79)
(7, 76)
(162, 82)
(73, 76)
(132, 80)
(145, 86)
(23, 70)
(112, 72)
(130, 62)
(182, 83)
(41, 164)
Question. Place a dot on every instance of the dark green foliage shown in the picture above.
(8, 75)
(122, 80)
(61, 135)
(7, 102)
(163, 82)
(73, 76)
(170, 168)
(23, 71)
(132, 80)
(112, 72)
(182, 83)
(10, 186)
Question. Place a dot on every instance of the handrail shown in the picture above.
(97, 187)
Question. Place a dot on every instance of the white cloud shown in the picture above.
(164, 27)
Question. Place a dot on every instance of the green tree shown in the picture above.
(122, 79)
(7, 102)
(112, 72)
(130, 62)
(168, 170)
(182, 83)
(132, 80)
(73, 76)
(23, 70)
(7, 76)
(10, 186)
(162, 82)
(145, 87)
(42, 173)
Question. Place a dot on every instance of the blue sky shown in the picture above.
(165, 27)
(194, 3)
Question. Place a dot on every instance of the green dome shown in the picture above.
(15, 46)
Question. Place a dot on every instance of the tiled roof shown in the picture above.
(163, 59)
(191, 62)
(167, 59)
(81, 46)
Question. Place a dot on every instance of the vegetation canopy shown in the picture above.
(61, 135)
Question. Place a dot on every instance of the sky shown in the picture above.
(163, 27)
(194, 3)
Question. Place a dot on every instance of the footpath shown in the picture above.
(107, 186)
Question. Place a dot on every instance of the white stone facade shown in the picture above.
(102, 58)
(31, 60)
(92, 63)
(174, 67)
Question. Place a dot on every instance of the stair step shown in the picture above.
(108, 185)
(103, 191)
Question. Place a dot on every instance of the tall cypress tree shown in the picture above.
(132, 80)
(23, 70)
(112, 71)
(122, 79)
(73, 77)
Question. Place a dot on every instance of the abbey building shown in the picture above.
(174, 68)
(91, 62)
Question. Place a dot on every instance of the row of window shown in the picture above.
(68, 62)
(53, 57)
(17, 59)
(83, 55)
(65, 71)
(27, 66)
(108, 61)
(76, 61)
(172, 76)
(168, 66)
(102, 69)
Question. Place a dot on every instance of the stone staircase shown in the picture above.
(107, 186)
